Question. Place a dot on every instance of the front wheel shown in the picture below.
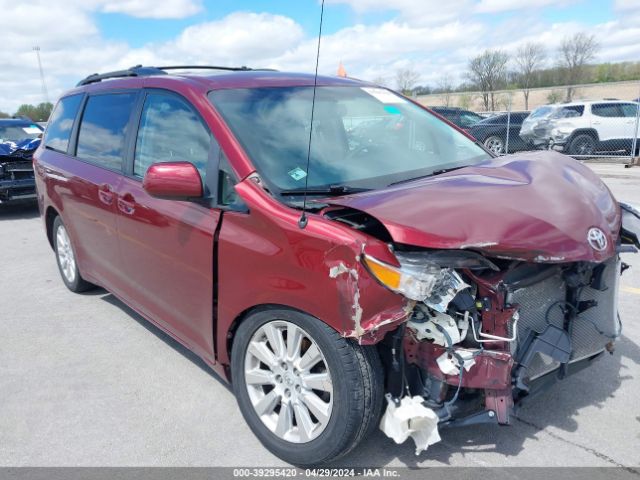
(582, 145)
(307, 393)
(66, 259)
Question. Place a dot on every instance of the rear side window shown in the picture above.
(467, 119)
(607, 110)
(630, 109)
(103, 129)
(61, 123)
(170, 131)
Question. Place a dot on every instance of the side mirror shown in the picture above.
(173, 181)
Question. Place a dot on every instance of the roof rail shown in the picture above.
(135, 71)
(140, 71)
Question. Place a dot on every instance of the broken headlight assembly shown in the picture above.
(630, 224)
(427, 276)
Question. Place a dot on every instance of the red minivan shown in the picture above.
(368, 266)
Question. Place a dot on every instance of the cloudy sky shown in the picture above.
(373, 38)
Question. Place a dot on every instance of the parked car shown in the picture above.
(492, 132)
(458, 116)
(417, 277)
(582, 128)
(19, 138)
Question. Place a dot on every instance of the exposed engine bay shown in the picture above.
(486, 334)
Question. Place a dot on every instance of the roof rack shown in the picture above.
(140, 71)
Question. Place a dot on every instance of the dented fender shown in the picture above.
(265, 259)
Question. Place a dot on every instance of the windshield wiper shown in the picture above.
(330, 190)
(435, 172)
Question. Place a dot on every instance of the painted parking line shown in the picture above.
(631, 290)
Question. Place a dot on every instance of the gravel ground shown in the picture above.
(84, 381)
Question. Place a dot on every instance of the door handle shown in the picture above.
(105, 194)
(127, 204)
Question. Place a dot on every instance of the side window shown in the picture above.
(630, 109)
(170, 131)
(606, 109)
(61, 123)
(103, 129)
(226, 182)
(570, 111)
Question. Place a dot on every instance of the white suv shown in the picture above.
(583, 128)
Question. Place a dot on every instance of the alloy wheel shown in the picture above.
(495, 145)
(584, 148)
(288, 381)
(66, 257)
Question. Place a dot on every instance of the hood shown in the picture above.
(537, 206)
(24, 147)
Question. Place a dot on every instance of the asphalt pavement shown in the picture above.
(84, 381)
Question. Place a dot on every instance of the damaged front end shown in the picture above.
(486, 334)
(501, 298)
(17, 181)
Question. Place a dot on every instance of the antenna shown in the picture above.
(44, 85)
(303, 220)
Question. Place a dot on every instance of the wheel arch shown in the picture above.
(49, 217)
(242, 316)
(584, 131)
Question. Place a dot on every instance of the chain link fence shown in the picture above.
(584, 121)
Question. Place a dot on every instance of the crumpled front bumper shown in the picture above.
(17, 182)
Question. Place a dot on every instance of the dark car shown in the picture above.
(19, 138)
(492, 133)
(458, 116)
(329, 282)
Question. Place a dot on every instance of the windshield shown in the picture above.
(15, 133)
(540, 112)
(469, 118)
(362, 137)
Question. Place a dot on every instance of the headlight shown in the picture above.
(423, 277)
(630, 223)
(559, 133)
(413, 283)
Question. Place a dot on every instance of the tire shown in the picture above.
(66, 259)
(494, 144)
(356, 387)
(582, 144)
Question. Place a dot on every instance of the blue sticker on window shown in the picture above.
(393, 110)
(297, 173)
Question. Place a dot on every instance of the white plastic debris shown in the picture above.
(410, 419)
(428, 330)
(450, 365)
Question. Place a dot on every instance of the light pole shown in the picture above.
(44, 85)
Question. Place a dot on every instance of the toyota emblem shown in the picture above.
(597, 239)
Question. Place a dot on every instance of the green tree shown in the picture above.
(37, 113)
(4, 115)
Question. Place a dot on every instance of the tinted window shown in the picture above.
(61, 123)
(606, 110)
(104, 128)
(468, 118)
(170, 131)
(519, 117)
(540, 112)
(569, 112)
(629, 109)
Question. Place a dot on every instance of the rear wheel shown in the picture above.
(66, 259)
(307, 393)
(495, 144)
(582, 144)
